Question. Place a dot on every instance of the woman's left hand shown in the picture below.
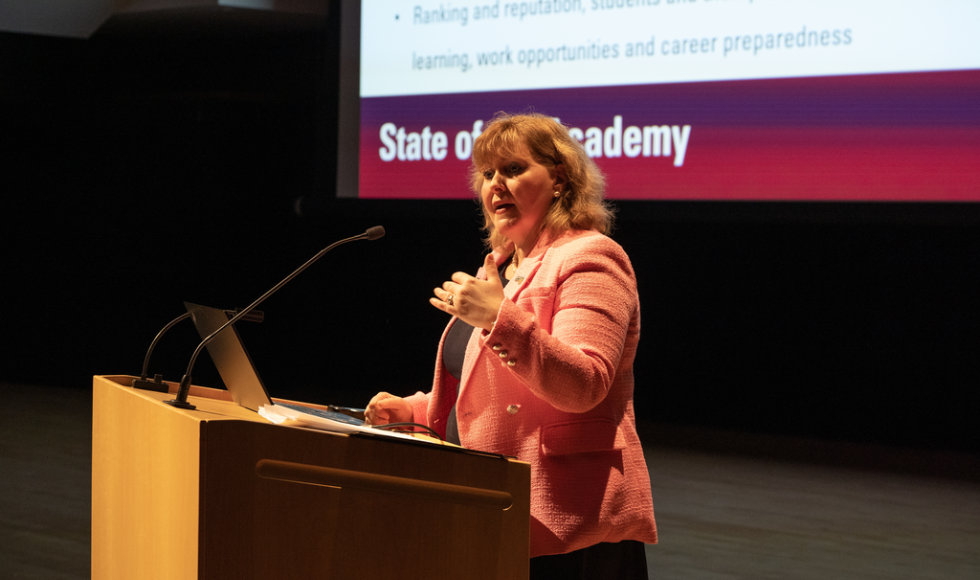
(474, 301)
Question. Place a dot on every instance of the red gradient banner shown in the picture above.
(894, 137)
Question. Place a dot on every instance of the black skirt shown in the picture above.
(626, 560)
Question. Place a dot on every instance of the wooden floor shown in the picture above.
(735, 517)
(45, 483)
(723, 512)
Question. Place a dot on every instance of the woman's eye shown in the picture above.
(514, 168)
(488, 174)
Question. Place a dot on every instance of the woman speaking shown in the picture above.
(537, 361)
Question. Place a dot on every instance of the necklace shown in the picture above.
(511, 269)
(514, 263)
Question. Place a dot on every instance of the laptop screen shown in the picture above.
(230, 357)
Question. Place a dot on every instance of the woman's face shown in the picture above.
(517, 192)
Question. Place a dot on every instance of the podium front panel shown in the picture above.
(179, 494)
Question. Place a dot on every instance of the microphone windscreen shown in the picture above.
(375, 232)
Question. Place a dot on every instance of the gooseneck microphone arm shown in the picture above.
(157, 383)
(185, 383)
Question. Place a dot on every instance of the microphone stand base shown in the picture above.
(180, 404)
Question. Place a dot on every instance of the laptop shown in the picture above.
(242, 380)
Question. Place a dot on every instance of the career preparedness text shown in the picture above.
(399, 144)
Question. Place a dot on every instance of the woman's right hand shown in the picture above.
(385, 408)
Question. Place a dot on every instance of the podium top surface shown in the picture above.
(212, 404)
(216, 405)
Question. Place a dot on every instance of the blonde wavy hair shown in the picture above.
(580, 206)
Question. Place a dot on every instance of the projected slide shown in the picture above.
(682, 99)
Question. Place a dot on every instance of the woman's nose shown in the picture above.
(497, 181)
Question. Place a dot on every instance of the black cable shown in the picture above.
(391, 425)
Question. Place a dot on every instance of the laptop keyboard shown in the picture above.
(332, 415)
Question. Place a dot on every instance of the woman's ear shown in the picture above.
(561, 178)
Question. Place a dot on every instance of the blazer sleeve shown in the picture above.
(570, 358)
(420, 406)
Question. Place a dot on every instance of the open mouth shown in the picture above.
(502, 207)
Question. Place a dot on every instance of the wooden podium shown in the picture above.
(219, 493)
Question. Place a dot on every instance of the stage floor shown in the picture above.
(766, 508)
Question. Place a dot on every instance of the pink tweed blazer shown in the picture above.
(552, 384)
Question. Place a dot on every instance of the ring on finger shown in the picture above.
(450, 299)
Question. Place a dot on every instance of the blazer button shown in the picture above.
(497, 347)
(513, 409)
(503, 354)
(511, 362)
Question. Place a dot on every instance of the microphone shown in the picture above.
(157, 383)
(183, 390)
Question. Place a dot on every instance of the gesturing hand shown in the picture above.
(474, 301)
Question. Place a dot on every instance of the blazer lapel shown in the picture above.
(473, 349)
(512, 290)
(521, 279)
(473, 352)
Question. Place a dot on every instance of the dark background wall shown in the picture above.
(139, 171)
